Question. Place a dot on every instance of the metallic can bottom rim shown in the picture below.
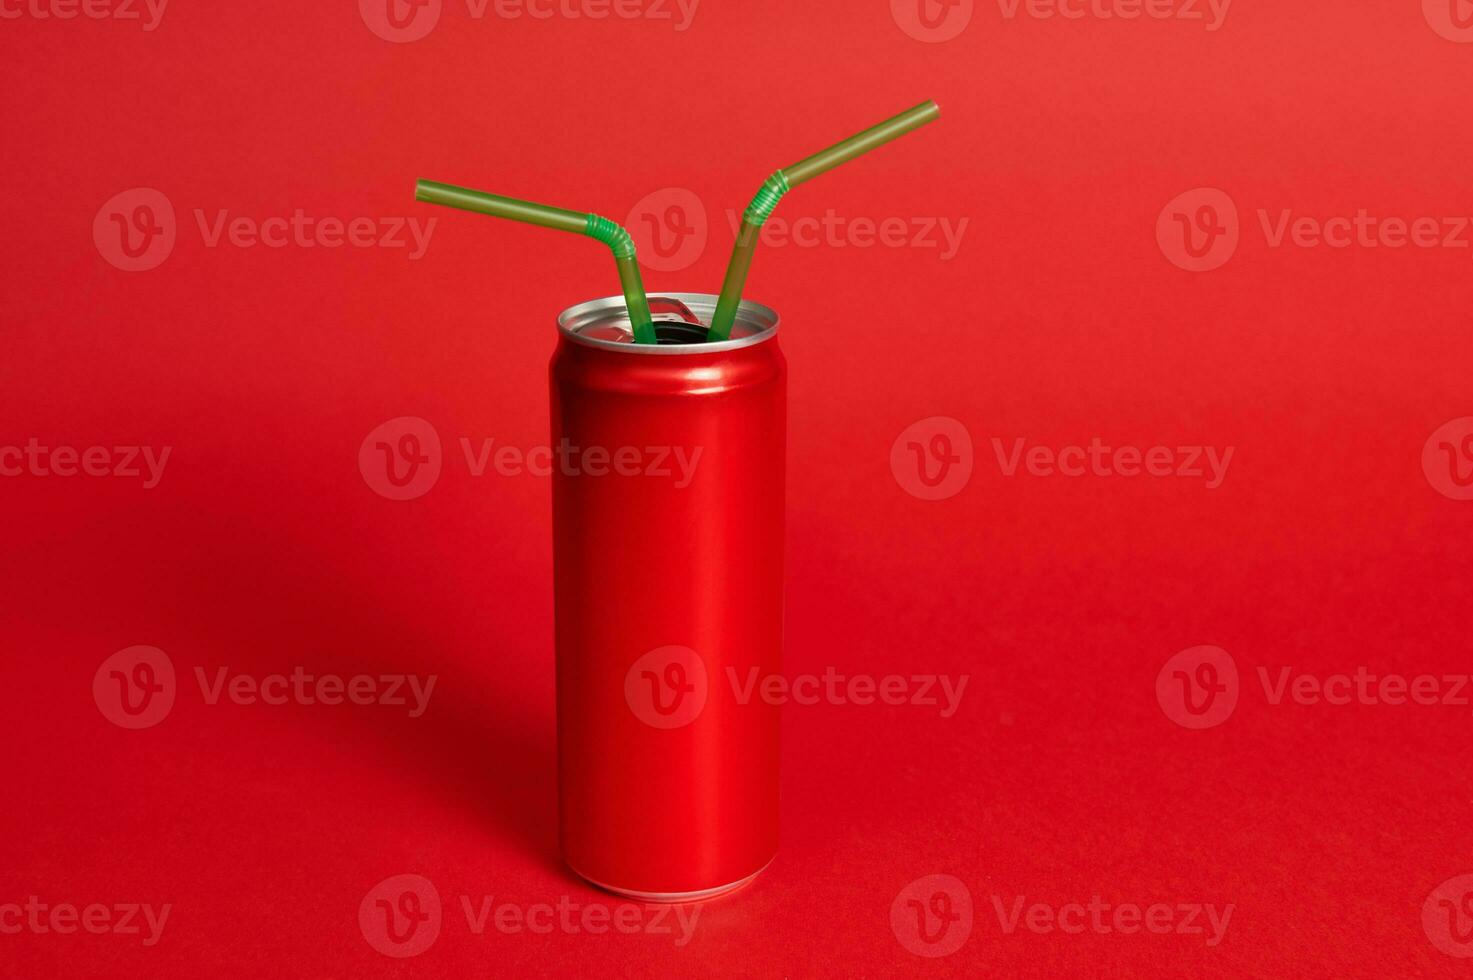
(674, 897)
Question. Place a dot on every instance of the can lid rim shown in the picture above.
(755, 324)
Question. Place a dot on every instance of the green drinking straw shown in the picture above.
(785, 180)
(591, 225)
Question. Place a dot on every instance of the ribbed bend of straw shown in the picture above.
(761, 208)
(612, 235)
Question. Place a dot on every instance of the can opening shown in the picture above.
(671, 332)
(680, 325)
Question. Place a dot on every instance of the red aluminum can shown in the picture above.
(668, 576)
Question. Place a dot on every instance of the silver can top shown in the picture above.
(604, 323)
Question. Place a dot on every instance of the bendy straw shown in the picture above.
(592, 225)
(785, 180)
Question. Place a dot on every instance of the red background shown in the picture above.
(1060, 320)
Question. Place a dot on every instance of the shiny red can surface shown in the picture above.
(668, 567)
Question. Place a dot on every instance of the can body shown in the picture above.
(668, 505)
